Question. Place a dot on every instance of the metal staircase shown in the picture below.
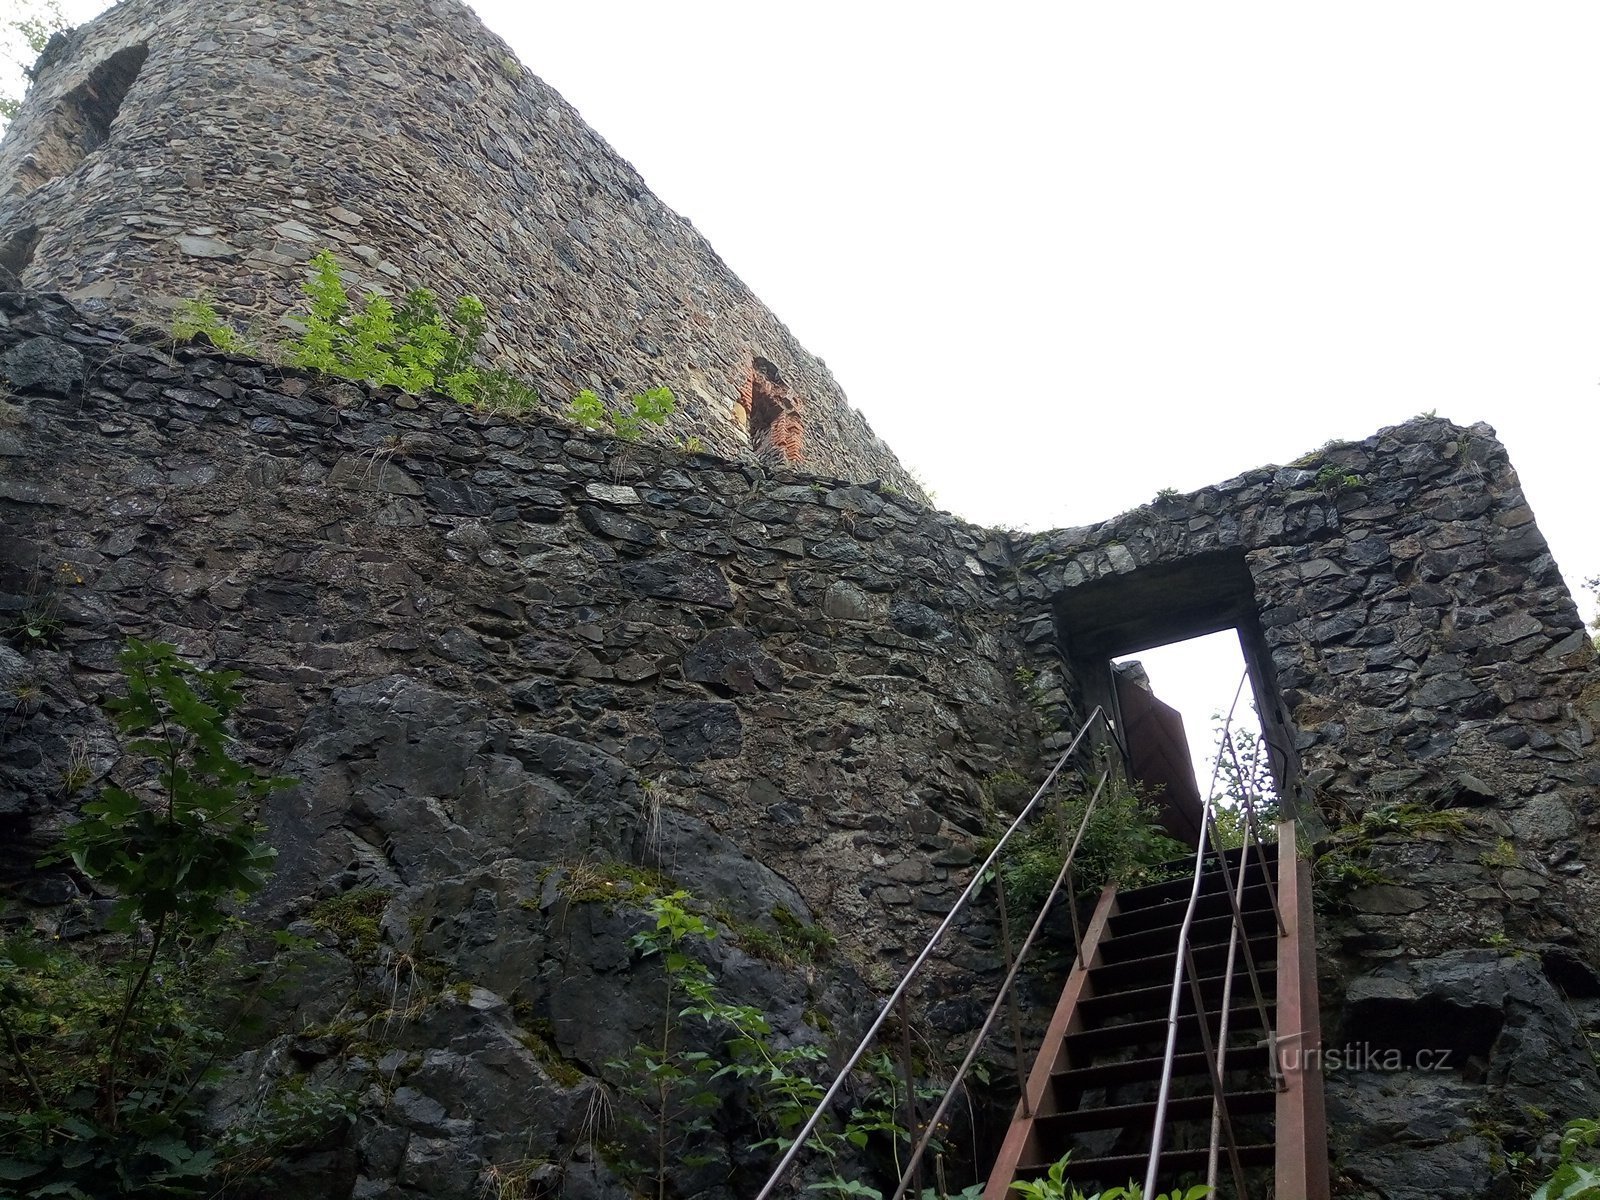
(1148, 1075)
(1186, 1039)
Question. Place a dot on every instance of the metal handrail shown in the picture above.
(1238, 938)
(1174, 1004)
(900, 989)
(1005, 993)
(1251, 829)
(1164, 1091)
(1218, 1109)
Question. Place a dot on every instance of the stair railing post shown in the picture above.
(1223, 1023)
(914, 1132)
(1251, 832)
(1164, 1090)
(1244, 934)
(1007, 991)
(1219, 1097)
(1072, 907)
(1011, 997)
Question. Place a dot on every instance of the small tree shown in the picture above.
(22, 40)
(1243, 772)
(106, 1048)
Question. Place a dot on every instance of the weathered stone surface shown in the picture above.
(43, 363)
(697, 730)
(470, 176)
(846, 602)
(493, 679)
(680, 577)
(732, 661)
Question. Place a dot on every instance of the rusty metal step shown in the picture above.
(1155, 997)
(1053, 1127)
(1084, 1044)
(1205, 931)
(1208, 959)
(1169, 913)
(1192, 1065)
(1180, 889)
(1117, 1169)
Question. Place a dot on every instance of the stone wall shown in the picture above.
(1415, 640)
(511, 661)
(505, 661)
(173, 148)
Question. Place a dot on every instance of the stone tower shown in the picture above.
(171, 148)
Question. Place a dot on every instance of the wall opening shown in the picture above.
(770, 414)
(16, 252)
(1170, 701)
(81, 121)
(1131, 614)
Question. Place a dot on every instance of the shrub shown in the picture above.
(650, 407)
(108, 1038)
(416, 346)
(196, 318)
(1123, 843)
(1574, 1179)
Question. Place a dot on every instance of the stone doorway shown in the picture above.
(1139, 610)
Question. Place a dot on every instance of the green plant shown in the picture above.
(415, 346)
(1336, 480)
(1574, 1179)
(670, 1081)
(650, 407)
(1343, 863)
(105, 1062)
(1504, 855)
(25, 694)
(588, 410)
(1404, 819)
(197, 318)
(77, 771)
(1336, 874)
(1168, 493)
(1243, 776)
(673, 1082)
(1056, 1186)
(39, 623)
(291, 1115)
(22, 38)
(608, 883)
(1123, 842)
(693, 444)
(352, 917)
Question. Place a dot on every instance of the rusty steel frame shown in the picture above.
(1301, 1130)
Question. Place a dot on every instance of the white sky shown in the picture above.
(1065, 255)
